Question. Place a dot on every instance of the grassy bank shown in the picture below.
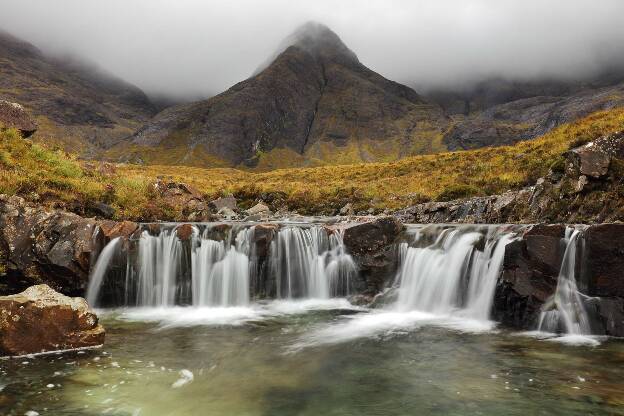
(56, 178)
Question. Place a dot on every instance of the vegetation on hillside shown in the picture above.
(56, 178)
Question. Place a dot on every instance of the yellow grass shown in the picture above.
(32, 170)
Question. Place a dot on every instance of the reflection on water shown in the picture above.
(314, 358)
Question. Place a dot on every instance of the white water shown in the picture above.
(565, 312)
(99, 271)
(451, 275)
(449, 283)
(217, 267)
(310, 264)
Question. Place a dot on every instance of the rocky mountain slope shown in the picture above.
(74, 104)
(499, 112)
(315, 103)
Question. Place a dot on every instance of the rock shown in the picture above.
(42, 320)
(591, 160)
(224, 202)
(581, 184)
(371, 244)
(347, 210)
(103, 210)
(13, 115)
(529, 276)
(259, 209)
(604, 254)
(184, 231)
(227, 212)
(252, 218)
(114, 229)
(44, 246)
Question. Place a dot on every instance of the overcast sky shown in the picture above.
(199, 47)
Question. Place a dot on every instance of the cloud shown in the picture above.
(195, 48)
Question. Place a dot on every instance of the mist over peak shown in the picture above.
(198, 48)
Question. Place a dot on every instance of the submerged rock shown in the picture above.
(42, 320)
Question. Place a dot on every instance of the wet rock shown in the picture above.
(184, 231)
(529, 276)
(224, 202)
(114, 229)
(604, 254)
(13, 115)
(41, 320)
(371, 244)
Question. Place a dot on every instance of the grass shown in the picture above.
(59, 179)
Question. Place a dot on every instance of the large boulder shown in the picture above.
(371, 244)
(42, 320)
(603, 273)
(41, 246)
(529, 275)
(13, 115)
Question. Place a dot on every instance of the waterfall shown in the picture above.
(218, 265)
(99, 271)
(220, 272)
(451, 274)
(565, 311)
(308, 263)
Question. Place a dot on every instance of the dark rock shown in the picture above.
(604, 254)
(13, 115)
(42, 320)
(44, 246)
(371, 244)
(591, 160)
(103, 210)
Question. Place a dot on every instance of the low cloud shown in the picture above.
(193, 48)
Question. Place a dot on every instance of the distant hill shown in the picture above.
(75, 104)
(315, 103)
(497, 112)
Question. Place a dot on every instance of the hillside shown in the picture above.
(76, 105)
(498, 112)
(56, 179)
(315, 103)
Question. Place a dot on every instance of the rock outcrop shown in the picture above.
(584, 186)
(531, 268)
(41, 320)
(371, 244)
(41, 246)
(14, 116)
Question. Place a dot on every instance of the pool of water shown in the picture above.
(315, 358)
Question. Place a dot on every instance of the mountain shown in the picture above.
(315, 103)
(75, 104)
(498, 112)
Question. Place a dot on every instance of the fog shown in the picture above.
(195, 48)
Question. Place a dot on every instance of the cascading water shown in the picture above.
(565, 311)
(218, 265)
(309, 263)
(220, 271)
(457, 272)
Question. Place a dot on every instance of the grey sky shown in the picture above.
(194, 47)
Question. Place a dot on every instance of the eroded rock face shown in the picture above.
(13, 115)
(41, 320)
(40, 246)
